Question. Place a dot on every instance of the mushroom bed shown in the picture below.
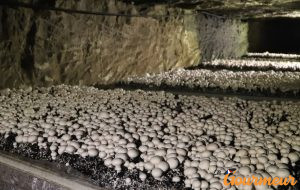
(152, 140)
(256, 77)
(254, 64)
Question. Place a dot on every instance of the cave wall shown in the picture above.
(222, 37)
(52, 47)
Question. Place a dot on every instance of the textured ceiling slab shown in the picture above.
(243, 8)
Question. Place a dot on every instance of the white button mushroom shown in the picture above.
(176, 179)
(156, 173)
(173, 163)
(133, 153)
(93, 152)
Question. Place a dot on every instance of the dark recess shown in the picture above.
(4, 22)
(27, 60)
(277, 35)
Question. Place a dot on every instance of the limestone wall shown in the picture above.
(52, 47)
(222, 37)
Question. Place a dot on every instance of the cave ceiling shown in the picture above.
(235, 8)
(242, 8)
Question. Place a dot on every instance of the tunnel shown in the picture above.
(274, 35)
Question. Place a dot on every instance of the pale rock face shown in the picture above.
(78, 49)
(88, 50)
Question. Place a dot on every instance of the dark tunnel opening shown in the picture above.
(276, 35)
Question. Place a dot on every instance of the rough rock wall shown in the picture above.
(51, 47)
(48, 47)
(222, 38)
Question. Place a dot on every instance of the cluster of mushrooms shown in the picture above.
(251, 81)
(155, 132)
(253, 63)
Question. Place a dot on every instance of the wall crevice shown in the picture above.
(27, 57)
